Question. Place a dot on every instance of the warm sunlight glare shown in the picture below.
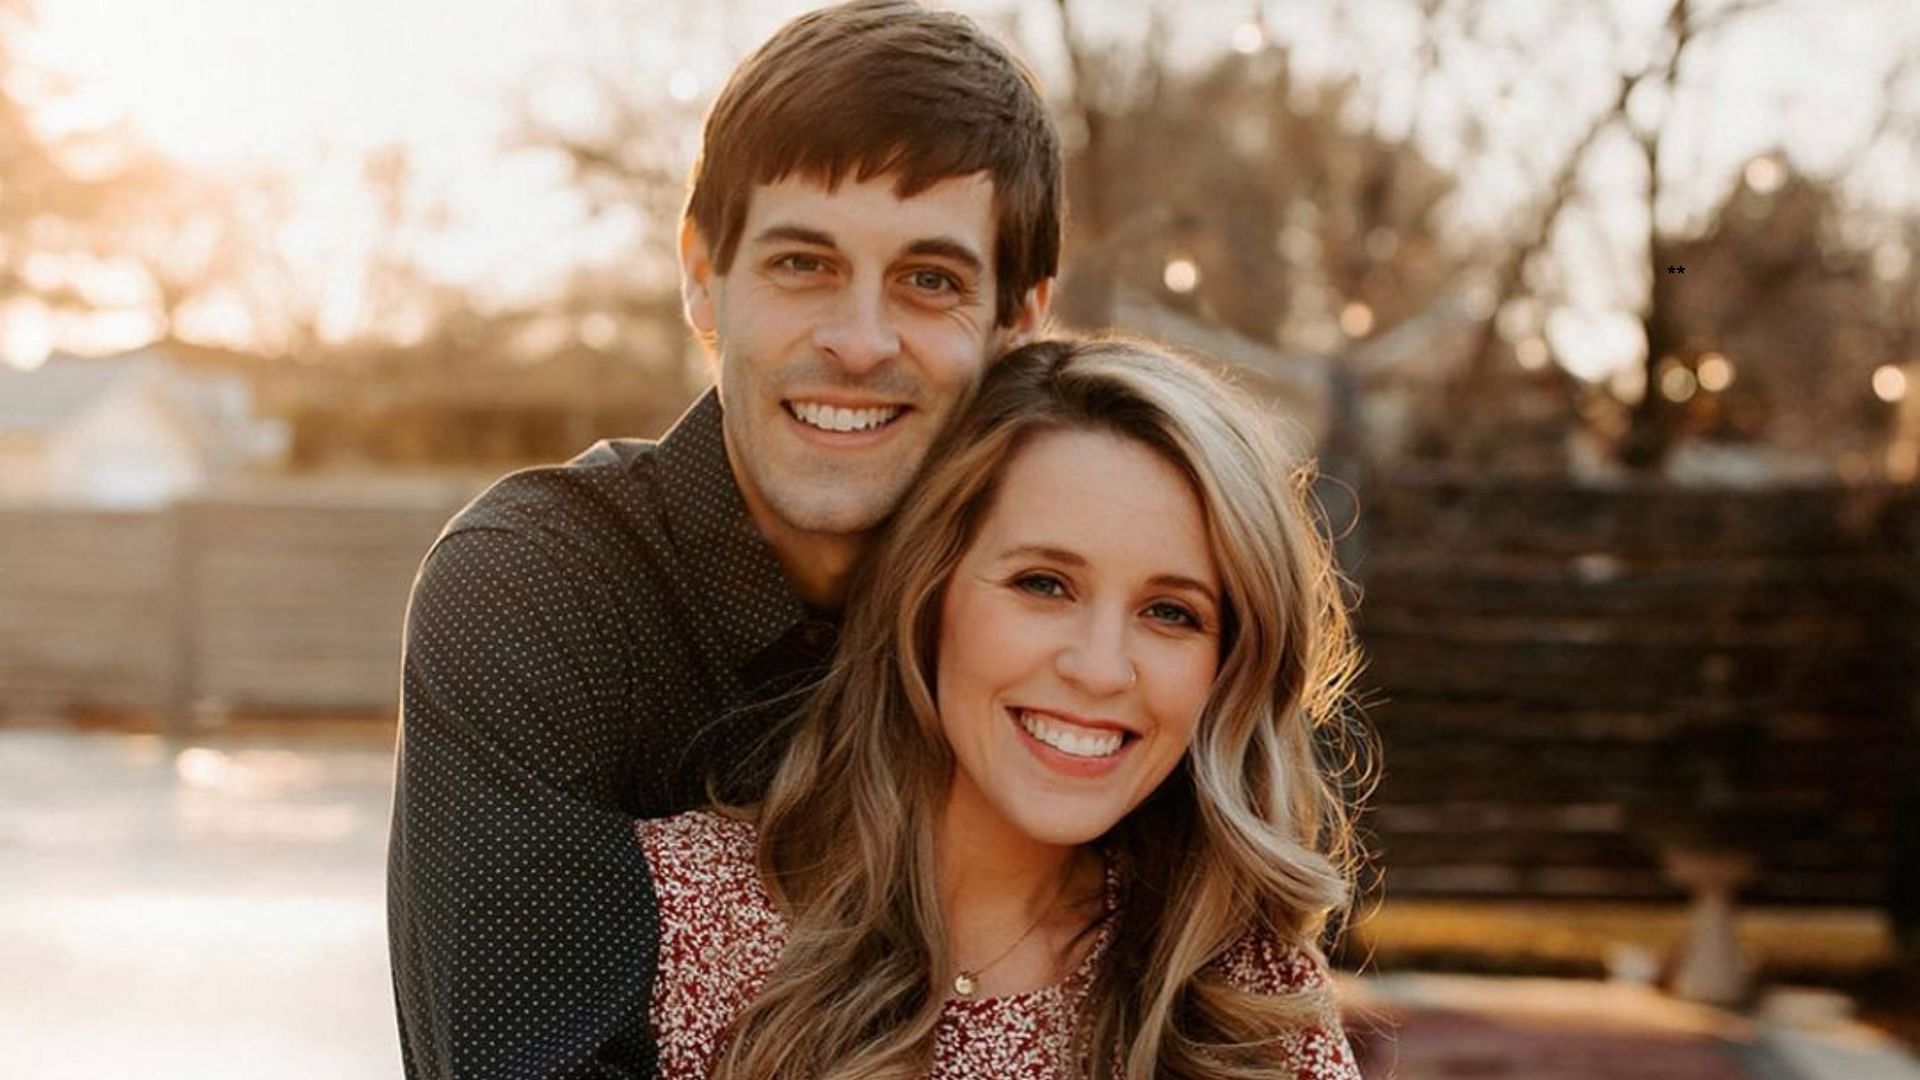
(229, 80)
(26, 333)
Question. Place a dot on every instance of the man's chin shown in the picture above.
(831, 521)
(813, 508)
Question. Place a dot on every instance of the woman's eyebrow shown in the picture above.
(1178, 581)
(1045, 551)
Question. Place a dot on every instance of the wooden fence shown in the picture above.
(287, 602)
(1569, 682)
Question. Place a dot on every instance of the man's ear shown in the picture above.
(696, 279)
(1030, 318)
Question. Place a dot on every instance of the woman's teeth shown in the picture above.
(834, 418)
(1069, 740)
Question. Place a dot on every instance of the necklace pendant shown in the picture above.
(964, 984)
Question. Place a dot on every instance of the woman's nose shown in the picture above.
(1097, 660)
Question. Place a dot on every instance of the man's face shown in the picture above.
(849, 327)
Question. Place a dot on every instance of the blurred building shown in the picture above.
(129, 431)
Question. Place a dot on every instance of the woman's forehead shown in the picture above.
(1099, 496)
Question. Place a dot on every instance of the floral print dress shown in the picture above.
(720, 935)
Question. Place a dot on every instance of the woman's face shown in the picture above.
(1079, 637)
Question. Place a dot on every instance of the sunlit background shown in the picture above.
(1603, 319)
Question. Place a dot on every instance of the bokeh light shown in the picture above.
(1181, 275)
(1715, 372)
(1889, 383)
(1677, 384)
(1356, 320)
(1249, 38)
(1532, 354)
(1765, 174)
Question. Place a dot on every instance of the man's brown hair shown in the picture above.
(887, 87)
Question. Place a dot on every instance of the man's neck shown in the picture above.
(817, 564)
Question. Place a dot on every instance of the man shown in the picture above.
(875, 214)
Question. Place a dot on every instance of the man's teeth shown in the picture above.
(834, 418)
(1067, 739)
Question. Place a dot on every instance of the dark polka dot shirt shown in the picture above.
(586, 644)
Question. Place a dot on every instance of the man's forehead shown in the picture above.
(959, 208)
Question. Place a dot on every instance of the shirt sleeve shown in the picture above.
(1260, 963)
(520, 912)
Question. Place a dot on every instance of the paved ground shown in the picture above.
(218, 911)
(1438, 1027)
(213, 912)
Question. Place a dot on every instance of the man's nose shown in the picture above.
(1097, 658)
(858, 332)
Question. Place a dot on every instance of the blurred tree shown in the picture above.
(1642, 418)
(1288, 211)
(1793, 315)
(94, 222)
(179, 232)
(1655, 421)
(1243, 196)
(43, 202)
(626, 134)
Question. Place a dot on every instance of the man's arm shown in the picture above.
(520, 912)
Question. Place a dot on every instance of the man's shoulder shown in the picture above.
(611, 484)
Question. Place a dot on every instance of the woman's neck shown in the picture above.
(996, 883)
(988, 866)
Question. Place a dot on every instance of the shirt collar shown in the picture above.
(732, 584)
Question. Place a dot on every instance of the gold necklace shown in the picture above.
(966, 982)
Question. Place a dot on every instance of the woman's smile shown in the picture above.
(1070, 747)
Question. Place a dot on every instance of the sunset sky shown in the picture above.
(306, 88)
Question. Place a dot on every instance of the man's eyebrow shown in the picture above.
(943, 247)
(794, 233)
(1077, 561)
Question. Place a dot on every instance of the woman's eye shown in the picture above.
(1173, 614)
(1040, 585)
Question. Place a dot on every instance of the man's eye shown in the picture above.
(800, 263)
(1040, 585)
(933, 281)
(1173, 614)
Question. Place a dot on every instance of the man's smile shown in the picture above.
(840, 418)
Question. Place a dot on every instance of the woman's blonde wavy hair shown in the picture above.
(1255, 831)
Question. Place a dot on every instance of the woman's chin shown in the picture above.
(1063, 829)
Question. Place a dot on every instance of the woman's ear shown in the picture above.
(696, 279)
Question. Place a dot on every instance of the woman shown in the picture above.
(1056, 810)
